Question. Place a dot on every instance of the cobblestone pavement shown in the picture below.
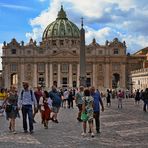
(120, 128)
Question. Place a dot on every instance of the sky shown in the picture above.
(103, 20)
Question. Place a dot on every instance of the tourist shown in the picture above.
(2, 98)
(46, 106)
(96, 107)
(66, 94)
(87, 108)
(120, 98)
(79, 101)
(38, 94)
(70, 99)
(137, 97)
(56, 103)
(145, 100)
(108, 98)
(11, 108)
(25, 102)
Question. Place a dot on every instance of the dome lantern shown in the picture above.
(62, 14)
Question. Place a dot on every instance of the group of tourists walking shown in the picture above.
(47, 104)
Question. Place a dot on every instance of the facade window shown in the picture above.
(61, 42)
(13, 51)
(13, 67)
(74, 51)
(54, 43)
(100, 51)
(41, 67)
(116, 51)
(64, 68)
(14, 79)
(28, 52)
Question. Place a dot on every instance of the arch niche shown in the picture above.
(14, 79)
(115, 80)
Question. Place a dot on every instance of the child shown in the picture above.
(46, 105)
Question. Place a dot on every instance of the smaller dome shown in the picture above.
(61, 28)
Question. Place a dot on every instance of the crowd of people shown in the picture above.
(88, 101)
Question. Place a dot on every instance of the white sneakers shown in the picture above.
(84, 135)
(92, 135)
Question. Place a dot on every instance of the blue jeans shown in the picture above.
(27, 110)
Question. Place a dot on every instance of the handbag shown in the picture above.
(84, 116)
(8, 108)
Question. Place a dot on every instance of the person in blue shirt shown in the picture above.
(96, 107)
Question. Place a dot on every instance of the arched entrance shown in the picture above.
(14, 79)
(115, 80)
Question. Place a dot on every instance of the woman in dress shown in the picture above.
(11, 108)
(87, 107)
(46, 105)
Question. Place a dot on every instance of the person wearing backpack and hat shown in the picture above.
(25, 102)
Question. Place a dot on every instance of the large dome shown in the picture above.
(61, 28)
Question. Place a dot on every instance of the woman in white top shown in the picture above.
(46, 105)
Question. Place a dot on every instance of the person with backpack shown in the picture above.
(25, 102)
(56, 103)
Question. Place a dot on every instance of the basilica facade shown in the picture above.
(56, 59)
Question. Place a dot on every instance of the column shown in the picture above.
(70, 75)
(78, 75)
(59, 76)
(106, 76)
(21, 75)
(94, 74)
(51, 76)
(123, 76)
(46, 75)
(35, 75)
(6, 77)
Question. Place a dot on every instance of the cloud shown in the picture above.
(36, 34)
(100, 35)
(104, 20)
(11, 6)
